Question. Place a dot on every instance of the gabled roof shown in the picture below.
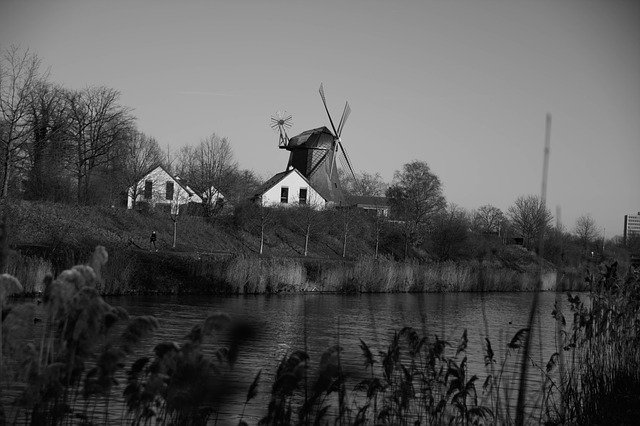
(179, 181)
(275, 179)
(182, 183)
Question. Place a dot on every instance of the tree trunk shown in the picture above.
(6, 174)
(175, 232)
(261, 238)
(306, 240)
(344, 245)
(406, 245)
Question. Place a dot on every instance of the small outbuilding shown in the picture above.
(375, 205)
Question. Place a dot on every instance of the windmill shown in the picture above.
(315, 152)
(282, 121)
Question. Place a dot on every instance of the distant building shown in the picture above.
(287, 189)
(377, 205)
(631, 225)
(158, 187)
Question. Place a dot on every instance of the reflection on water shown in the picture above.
(318, 321)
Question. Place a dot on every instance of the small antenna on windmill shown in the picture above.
(281, 121)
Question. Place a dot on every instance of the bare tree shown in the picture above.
(307, 219)
(243, 186)
(19, 73)
(450, 232)
(48, 148)
(530, 218)
(415, 197)
(377, 225)
(488, 220)
(347, 219)
(586, 230)
(142, 152)
(364, 184)
(264, 218)
(97, 124)
(210, 167)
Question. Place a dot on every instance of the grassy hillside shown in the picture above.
(221, 256)
(81, 228)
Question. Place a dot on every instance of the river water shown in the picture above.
(317, 321)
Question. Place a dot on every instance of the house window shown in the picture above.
(284, 194)
(303, 196)
(148, 186)
(169, 192)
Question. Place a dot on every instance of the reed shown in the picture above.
(29, 270)
(253, 275)
(416, 379)
(179, 383)
(73, 356)
(602, 380)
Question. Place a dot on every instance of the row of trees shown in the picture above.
(82, 145)
(424, 225)
(444, 230)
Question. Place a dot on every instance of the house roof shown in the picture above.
(273, 181)
(182, 183)
(179, 181)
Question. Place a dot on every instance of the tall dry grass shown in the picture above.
(29, 270)
(264, 275)
(252, 275)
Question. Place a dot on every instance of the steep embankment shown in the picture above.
(64, 235)
(217, 256)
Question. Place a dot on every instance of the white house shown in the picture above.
(159, 187)
(289, 188)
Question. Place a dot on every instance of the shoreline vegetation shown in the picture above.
(141, 272)
(74, 362)
(220, 257)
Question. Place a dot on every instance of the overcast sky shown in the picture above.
(462, 85)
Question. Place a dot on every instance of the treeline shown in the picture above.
(423, 225)
(83, 146)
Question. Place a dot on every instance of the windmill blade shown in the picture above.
(343, 119)
(333, 163)
(324, 101)
(346, 157)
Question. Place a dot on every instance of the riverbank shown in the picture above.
(218, 256)
(142, 272)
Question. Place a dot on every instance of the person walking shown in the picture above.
(152, 241)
